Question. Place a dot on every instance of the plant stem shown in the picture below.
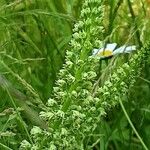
(5, 147)
(112, 17)
(20, 118)
(136, 27)
(131, 124)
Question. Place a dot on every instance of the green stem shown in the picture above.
(147, 81)
(112, 17)
(20, 118)
(132, 126)
(21, 99)
(25, 84)
(5, 147)
(136, 27)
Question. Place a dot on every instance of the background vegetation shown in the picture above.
(34, 38)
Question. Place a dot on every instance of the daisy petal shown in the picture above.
(95, 51)
(119, 50)
(124, 49)
(105, 52)
(130, 48)
(111, 46)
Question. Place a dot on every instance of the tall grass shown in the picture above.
(54, 95)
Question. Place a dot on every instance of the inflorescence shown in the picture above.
(75, 109)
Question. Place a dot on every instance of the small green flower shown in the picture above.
(35, 130)
(25, 145)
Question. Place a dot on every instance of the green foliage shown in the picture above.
(84, 92)
(33, 40)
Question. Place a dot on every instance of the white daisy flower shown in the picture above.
(110, 50)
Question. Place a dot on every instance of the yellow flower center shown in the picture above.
(105, 53)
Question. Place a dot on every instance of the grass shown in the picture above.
(34, 38)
